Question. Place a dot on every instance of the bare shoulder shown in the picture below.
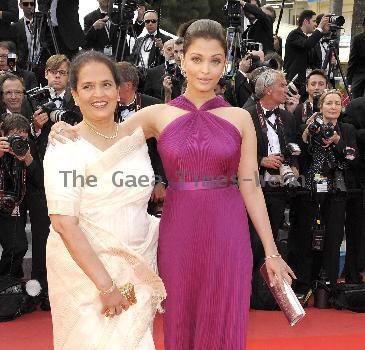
(239, 117)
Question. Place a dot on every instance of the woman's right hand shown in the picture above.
(62, 130)
(114, 303)
(4, 145)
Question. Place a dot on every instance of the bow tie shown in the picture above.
(131, 107)
(57, 99)
(275, 111)
(151, 36)
(103, 14)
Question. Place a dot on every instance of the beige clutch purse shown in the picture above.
(288, 301)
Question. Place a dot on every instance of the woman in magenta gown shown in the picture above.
(204, 254)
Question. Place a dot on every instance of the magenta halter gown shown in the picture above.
(204, 254)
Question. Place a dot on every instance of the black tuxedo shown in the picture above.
(155, 57)
(242, 89)
(297, 52)
(275, 202)
(97, 39)
(261, 31)
(20, 39)
(154, 78)
(356, 66)
(10, 14)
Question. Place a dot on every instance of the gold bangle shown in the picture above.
(128, 292)
(108, 291)
(272, 256)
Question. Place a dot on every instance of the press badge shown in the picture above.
(108, 51)
(321, 183)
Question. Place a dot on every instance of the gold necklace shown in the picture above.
(102, 135)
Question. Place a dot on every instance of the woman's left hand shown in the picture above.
(334, 139)
(277, 270)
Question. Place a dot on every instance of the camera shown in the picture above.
(119, 14)
(336, 22)
(18, 144)
(11, 60)
(40, 98)
(232, 9)
(58, 115)
(247, 46)
(292, 89)
(318, 130)
(286, 173)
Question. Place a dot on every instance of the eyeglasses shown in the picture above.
(55, 71)
(27, 4)
(148, 21)
(16, 93)
(4, 57)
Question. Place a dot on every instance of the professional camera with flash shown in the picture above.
(318, 130)
(18, 144)
(287, 176)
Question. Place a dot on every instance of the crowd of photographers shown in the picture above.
(310, 148)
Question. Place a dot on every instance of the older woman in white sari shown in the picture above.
(101, 252)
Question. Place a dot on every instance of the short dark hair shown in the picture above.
(305, 15)
(9, 45)
(87, 57)
(319, 18)
(128, 72)
(317, 72)
(15, 121)
(179, 41)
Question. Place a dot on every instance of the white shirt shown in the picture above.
(30, 41)
(273, 146)
(54, 12)
(147, 44)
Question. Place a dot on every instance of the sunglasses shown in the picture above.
(148, 21)
(27, 4)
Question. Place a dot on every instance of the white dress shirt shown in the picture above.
(147, 45)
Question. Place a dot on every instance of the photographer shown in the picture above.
(260, 28)
(56, 74)
(102, 35)
(154, 76)
(275, 130)
(8, 64)
(174, 79)
(16, 169)
(298, 45)
(317, 228)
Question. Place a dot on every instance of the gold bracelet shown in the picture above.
(108, 291)
(128, 292)
(272, 256)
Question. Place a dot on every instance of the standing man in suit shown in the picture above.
(242, 86)
(298, 45)
(356, 66)
(275, 128)
(132, 101)
(65, 21)
(260, 28)
(23, 34)
(147, 50)
(9, 12)
(102, 35)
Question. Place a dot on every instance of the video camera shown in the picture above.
(40, 98)
(120, 14)
(232, 9)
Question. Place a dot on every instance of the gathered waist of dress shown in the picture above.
(200, 185)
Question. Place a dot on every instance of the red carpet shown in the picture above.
(321, 329)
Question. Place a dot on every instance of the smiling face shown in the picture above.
(96, 92)
(13, 93)
(203, 64)
(331, 107)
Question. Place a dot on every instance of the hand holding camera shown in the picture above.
(325, 24)
(273, 161)
(17, 146)
(39, 119)
(167, 85)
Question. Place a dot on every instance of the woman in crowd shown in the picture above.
(204, 254)
(102, 244)
(329, 173)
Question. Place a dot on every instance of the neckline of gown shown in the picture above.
(184, 103)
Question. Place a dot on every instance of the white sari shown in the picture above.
(115, 221)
